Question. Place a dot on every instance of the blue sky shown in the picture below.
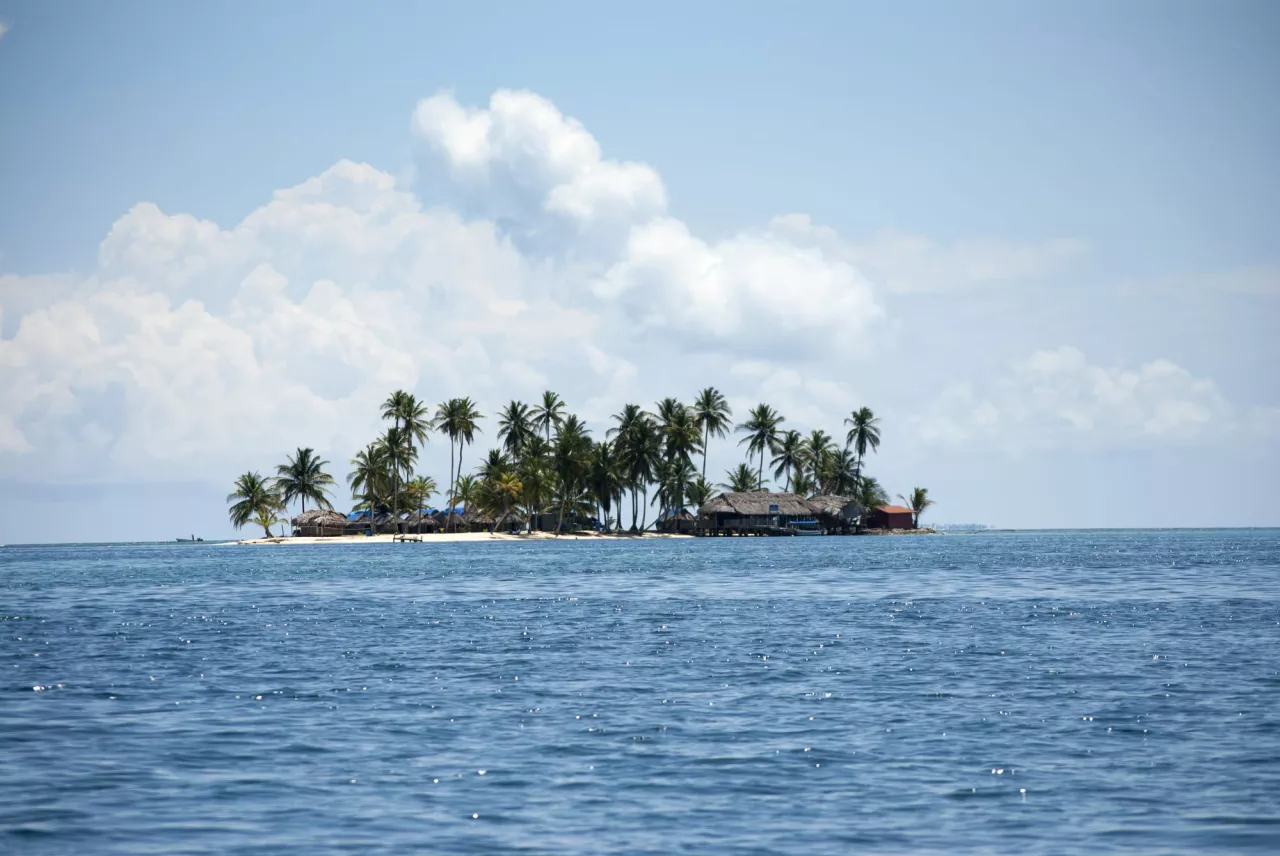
(1042, 237)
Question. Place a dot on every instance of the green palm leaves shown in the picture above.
(548, 413)
(712, 415)
(918, 502)
(254, 500)
(458, 419)
(302, 477)
(761, 429)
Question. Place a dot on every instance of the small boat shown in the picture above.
(192, 540)
(805, 527)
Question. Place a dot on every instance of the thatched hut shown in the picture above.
(752, 511)
(835, 513)
(477, 520)
(449, 521)
(358, 522)
(508, 522)
(417, 522)
(681, 521)
(319, 523)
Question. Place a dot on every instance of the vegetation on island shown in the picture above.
(547, 462)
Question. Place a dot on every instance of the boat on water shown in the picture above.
(192, 540)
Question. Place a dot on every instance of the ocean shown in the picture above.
(1038, 692)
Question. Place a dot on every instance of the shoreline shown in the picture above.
(446, 538)
(481, 537)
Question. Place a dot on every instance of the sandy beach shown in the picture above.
(453, 537)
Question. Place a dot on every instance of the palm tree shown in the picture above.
(303, 478)
(419, 491)
(509, 487)
(700, 491)
(675, 479)
(515, 426)
(604, 477)
(410, 417)
(788, 456)
(680, 439)
(839, 472)
(446, 421)
(761, 429)
(816, 447)
(254, 500)
(712, 415)
(494, 465)
(457, 418)
(464, 492)
(918, 503)
(742, 480)
(637, 445)
(548, 414)
(467, 425)
(398, 456)
(803, 483)
(570, 462)
(869, 494)
(368, 477)
(864, 433)
(534, 473)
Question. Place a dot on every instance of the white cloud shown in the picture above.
(1057, 398)
(195, 350)
(4, 28)
(522, 162)
(913, 263)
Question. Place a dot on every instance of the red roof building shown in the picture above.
(891, 517)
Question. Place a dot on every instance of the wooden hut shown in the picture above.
(835, 513)
(891, 517)
(753, 513)
(319, 523)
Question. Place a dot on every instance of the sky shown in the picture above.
(1041, 241)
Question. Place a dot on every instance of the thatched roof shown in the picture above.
(716, 505)
(756, 504)
(831, 505)
(327, 518)
(507, 521)
(476, 517)
(419, 520)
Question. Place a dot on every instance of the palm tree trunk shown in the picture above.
(460, 466)
(449, 499)
(706, 439)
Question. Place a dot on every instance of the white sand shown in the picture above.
(454, 537)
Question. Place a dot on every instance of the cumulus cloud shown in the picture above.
(521, 257)
(541, 174)
(1057, 398)
(913, 263)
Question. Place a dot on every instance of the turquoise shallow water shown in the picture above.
(1084, 692)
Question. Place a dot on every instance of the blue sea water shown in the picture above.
(1053, 692)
